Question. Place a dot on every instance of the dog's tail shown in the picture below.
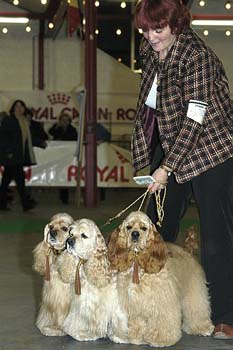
(191, 243)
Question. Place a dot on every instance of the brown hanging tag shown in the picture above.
(47, 269)
(77, 281)
(135, 273)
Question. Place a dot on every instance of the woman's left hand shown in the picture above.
(161, 178)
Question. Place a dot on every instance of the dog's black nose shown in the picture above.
(135, 236)
(71, 241)
(53, 233)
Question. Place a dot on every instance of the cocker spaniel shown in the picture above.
(161, 287)
(94, 311)
(56, 294)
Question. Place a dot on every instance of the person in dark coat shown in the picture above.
(39, 136)
(63, 131)
(16, 151)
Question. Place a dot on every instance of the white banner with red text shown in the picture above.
(57, 166)
(116, 111)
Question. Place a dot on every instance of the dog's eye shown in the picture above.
(144, 228)
(50, 227)
(128, 227)
(83, 235)
(64, 228)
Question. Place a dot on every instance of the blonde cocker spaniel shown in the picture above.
(94, 311)
(161, 287)
(55, 302)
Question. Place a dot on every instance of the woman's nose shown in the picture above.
(151, 34)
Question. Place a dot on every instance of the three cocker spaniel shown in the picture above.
(139, 290)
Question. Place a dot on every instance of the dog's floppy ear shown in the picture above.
(157, 251)
(101, 245)
(39, 255)
(66, 267)
(117, 250)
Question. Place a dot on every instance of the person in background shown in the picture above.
(39, 136)
(16, 151)
(63, 131)
(184, 130)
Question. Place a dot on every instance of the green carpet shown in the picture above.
(37, 225)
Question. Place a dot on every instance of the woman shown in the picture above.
(183, 129)
(63, 131)
(16, 151)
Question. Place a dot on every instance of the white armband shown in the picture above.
(197, 110)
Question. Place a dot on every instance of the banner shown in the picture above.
(57, 166)
(116, 111)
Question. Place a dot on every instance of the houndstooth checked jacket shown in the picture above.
(191, 71)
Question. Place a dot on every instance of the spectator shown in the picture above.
(63, 131)
(16, 151)
(39, 136)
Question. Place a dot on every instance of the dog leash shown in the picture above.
(143, 196)
(160, 205)
(159, 198)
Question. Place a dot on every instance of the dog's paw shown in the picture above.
(118, 340)
(204, 329)
(156, 338)
(52, 332)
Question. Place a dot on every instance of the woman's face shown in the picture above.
(19, 109)
(160, 38)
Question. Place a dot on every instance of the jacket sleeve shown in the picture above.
(198, 85)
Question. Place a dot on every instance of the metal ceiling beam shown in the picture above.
(52, 8)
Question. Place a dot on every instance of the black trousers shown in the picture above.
(213, 192)
(16, 173)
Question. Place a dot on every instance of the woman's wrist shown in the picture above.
(167, 169)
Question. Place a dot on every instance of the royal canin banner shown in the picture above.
(114, 110)
(57, 166)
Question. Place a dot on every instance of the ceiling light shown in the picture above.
(228, 5)
(123, 4)
(206, 32)
(97, 31)
(16, 2)
(51, 25)
(201, 3)
(97, 3)
(14, 20)
(210, 22)
(228, 32)
(119, 59)
(28, 29)
(43, 2)
(140, 31)
(4, 30)
(118, 32)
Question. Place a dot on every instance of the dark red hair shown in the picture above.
(155, 14)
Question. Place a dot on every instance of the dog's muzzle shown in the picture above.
(70, 242)
(135, 236)
(52, 233)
